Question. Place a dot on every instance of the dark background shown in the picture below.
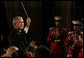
(41, 14)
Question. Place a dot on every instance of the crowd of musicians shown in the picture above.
(60, 42)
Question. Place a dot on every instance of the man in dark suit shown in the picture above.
(17, 36)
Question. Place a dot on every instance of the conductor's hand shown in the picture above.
(28, 21)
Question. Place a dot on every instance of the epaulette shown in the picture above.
(52, 28)
(70, 32)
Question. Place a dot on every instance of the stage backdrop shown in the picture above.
(42, 14)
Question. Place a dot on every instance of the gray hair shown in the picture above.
(15, 19)
(11, 50)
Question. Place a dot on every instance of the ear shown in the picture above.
(15, 25)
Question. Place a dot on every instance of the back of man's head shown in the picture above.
(11, 50)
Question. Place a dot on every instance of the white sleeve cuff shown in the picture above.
(26, 29)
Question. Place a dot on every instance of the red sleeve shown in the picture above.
(79, 44)
(48, 39)
(65, 42)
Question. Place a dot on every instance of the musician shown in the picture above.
(17, 36)
(56, 37)
(74, 40)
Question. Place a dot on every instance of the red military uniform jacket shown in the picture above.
(73, 44)
(56, 42)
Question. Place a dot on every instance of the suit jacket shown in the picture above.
(18, 39)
